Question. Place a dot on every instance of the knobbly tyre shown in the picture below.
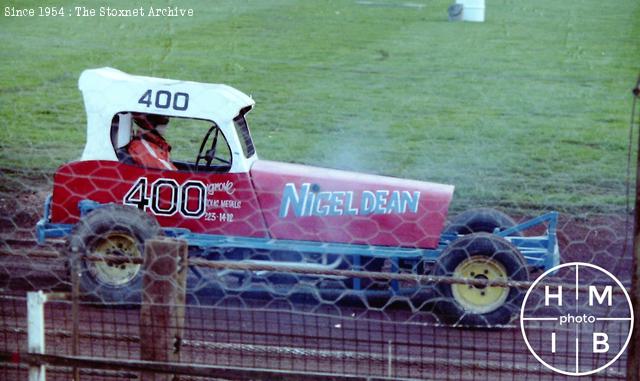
(230, 205)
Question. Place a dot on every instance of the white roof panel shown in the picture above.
(117, 90)
(108, 91)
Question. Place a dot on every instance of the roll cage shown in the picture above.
(107, 92)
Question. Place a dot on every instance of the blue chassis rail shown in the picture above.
(540, 252)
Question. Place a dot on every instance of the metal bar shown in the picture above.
(633, 360)
(395, 268)
(46, 230)
(205, 241)
(58, 296)
(390, 359)
(46, 254)
(240, 373)
(213, 371)
(275, 267)
(357, 282)
(547, 217)
(75, 311)
(41, 235)
(553, 256)
(220, 241)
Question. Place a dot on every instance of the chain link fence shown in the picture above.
(124, 304)
(292, 272)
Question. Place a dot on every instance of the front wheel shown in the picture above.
(480, 256)
(111, 230)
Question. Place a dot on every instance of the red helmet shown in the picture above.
(149, 121)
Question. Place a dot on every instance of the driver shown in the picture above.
(149, 148)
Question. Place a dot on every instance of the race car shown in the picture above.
(229, 204)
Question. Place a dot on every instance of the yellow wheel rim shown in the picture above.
(114, 274)
(480, 299)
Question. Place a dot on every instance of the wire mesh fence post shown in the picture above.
(163, 300)
(633, 362)
(35, 332)
(633, 359)
(75, 300)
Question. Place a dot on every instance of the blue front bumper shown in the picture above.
(45, 229)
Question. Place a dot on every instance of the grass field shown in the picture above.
(527, 110)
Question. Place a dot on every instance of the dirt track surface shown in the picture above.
(284, 337)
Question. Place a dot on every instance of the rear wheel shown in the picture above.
(480, 256)
(111, 230)
(480, 220)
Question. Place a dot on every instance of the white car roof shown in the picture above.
(107, 91)
(109, 87)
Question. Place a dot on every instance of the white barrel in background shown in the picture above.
(473, 10)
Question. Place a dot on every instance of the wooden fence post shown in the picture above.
(163, 302)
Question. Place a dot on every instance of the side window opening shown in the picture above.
(163, 142)
(115, 128)
(120, 130)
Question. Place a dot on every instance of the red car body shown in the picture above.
(273, 200)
